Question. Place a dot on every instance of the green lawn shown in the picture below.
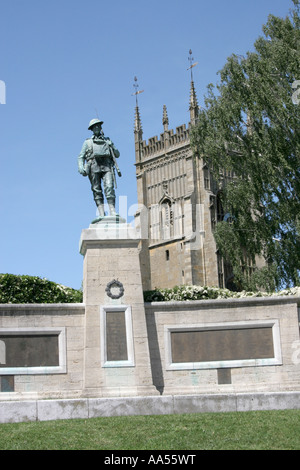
(210, 431)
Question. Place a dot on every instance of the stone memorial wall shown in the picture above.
(115, 346)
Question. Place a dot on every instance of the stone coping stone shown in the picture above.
(14, 411)
(221, 303)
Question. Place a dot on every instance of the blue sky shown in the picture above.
(61, 61)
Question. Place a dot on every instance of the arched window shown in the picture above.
(220, 210)
(206, 176)
(166, 219)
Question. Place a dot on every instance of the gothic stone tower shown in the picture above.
(178, 208)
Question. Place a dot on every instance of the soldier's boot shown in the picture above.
(112, 210)
(111, 206)
(101, 210)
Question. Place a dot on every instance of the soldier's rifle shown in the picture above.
(112, 154)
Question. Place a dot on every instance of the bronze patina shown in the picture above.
(97, 160)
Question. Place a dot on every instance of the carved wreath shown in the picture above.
(114, 289)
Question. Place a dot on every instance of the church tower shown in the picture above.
(178, 206)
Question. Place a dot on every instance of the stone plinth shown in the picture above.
(116, 352)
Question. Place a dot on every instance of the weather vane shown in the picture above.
(191, 60)
(137, 92)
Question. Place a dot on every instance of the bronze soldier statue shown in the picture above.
(97, 160)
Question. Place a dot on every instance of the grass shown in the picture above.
(256, 430)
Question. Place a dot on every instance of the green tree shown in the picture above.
(249, 128)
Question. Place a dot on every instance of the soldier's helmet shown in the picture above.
(93, 122)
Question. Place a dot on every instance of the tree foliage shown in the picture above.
(16, 289)
(249, 128)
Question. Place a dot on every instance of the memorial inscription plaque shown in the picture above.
(30, 350)
(222, 345)
(116, 342)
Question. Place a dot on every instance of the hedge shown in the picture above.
(204, 293)
(15, 289)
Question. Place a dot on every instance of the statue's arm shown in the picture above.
(81, 159)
